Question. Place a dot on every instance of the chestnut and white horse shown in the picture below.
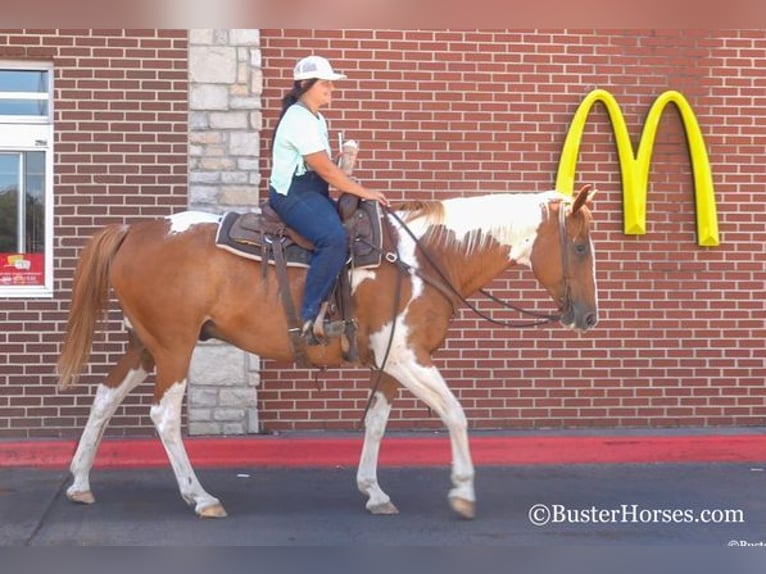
(175, 288)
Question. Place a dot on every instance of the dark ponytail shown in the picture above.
(300, 87)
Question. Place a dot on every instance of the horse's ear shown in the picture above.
(585, 195)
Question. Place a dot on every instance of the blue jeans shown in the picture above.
(309, 209)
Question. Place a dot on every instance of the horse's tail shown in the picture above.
(90, 297)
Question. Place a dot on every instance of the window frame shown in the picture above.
(20, 134)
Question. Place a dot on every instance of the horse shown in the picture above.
(175, 288)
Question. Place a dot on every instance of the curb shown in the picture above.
(268, 451)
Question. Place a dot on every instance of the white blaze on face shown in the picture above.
(183, 221)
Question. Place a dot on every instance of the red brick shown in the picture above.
(517, 106)
(679, 343)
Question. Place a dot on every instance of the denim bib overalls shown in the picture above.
(309, 209)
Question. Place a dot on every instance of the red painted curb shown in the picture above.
(396, 451)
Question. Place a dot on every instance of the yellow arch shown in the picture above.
(634, 168)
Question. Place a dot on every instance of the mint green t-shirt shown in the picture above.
(299, 133)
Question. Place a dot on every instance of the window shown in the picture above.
(24, 94)
(26, 151)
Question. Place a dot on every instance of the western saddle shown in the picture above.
(264, 237)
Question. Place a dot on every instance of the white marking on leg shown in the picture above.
(166, 416)
(104, 405)
(367, 472)
(426, 383)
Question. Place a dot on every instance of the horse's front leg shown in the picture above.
(427, 384)
(374, 428)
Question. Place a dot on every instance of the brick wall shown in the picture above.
(440, 114)
(120, 154)
(443, 113)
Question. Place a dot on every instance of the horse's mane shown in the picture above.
(434, 215)
(431, 211)
(490, 216)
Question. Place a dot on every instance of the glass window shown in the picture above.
(26, 179)
(22, 218)
(24, 93)
(24, 81)
(9, 201)
(34, 196)
(23, 108)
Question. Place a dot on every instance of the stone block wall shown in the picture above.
(223, 390)
(225, 85)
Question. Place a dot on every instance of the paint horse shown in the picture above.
(175, 288)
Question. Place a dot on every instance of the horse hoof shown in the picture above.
(384, 508)
(213, 511)
(465, 508)
(81, 497)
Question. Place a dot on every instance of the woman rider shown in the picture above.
(302, 172)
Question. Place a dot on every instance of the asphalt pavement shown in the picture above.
(714, 505)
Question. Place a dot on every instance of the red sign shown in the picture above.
(22, 269)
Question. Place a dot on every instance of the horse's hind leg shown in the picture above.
(374, 428)
(130, 371)
(166, 415)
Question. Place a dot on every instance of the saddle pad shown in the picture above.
(242, 234)
(295, 255)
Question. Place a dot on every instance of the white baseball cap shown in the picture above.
(315, 67)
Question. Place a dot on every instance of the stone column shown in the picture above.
(225, 86)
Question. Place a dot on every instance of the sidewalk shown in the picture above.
(421, 449)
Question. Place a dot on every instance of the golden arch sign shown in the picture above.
(635, 167)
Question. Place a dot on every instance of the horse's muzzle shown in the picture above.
(578, 317)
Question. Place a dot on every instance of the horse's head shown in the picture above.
(563, 260)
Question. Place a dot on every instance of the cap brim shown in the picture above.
(332, 77)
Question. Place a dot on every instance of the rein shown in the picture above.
(392, 257)
(564, 239)
(444, 285)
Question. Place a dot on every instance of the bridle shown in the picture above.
(566, 301)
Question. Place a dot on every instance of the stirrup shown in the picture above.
(333, 329)
(318, 334)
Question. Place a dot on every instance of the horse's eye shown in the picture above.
(581, 248)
